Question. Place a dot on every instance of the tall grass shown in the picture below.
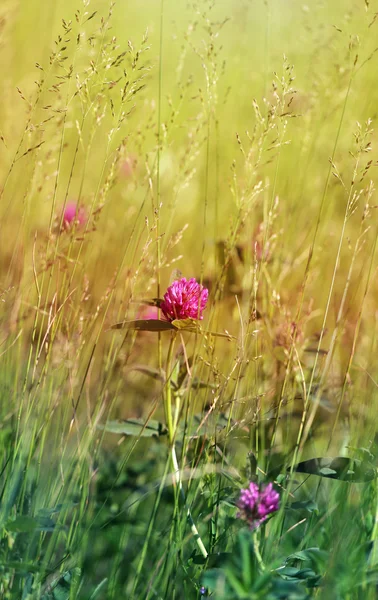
(230, 142)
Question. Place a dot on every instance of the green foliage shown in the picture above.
(340, 467)
(239, 576)
(136, 427)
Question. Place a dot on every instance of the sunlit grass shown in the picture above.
(233, 143)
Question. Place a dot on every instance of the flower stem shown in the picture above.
(256, 549)
(193, 527)
(168, 390)
(172, 428)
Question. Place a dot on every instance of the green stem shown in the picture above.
(168, 391)
(256, 549)
(150, 529)
(193, 527)
(172, 429)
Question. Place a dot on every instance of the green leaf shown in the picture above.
(28, 524)
(61, 592)
(135, 427)
(46, 512)
(309, 505)
(59, 588)
(341, 467)
(157, 374)
(145, 325)
(22, 524)
(293, 574)
(326, 471)
(311, 554)
(287, 590)
(213, 579)
(201, 425)
(191, 325)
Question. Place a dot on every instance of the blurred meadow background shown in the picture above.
(229, 141)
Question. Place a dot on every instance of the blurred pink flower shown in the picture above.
(128, 166)
(262, 252)
(184, 299)
(74, 214)
(255, 504)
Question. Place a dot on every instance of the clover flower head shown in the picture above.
(73, 214)
(184, 299)
(256, 504)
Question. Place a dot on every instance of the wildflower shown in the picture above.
(202, 590)
(256, 504)
(184, 299)
(73, 214)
